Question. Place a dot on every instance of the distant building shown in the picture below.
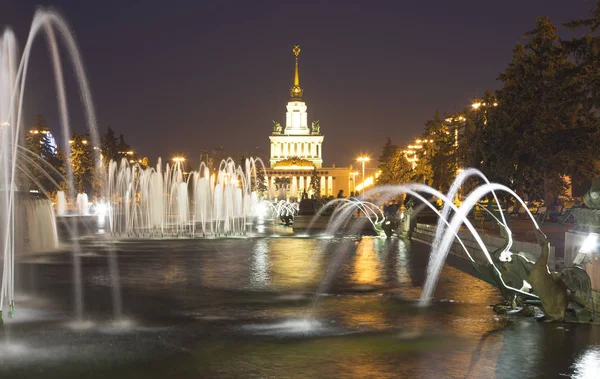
(213, 157)
(297, 150)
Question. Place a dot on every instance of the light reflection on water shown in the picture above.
(232, 294)
(587, 364)
(259, 268)
(367, 265)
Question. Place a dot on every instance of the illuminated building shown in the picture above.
(296, 150)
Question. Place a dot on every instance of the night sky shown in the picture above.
(180, 76)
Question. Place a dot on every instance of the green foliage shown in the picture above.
(542, 105)
(315, 183)
(82, 163)
(261, 187)
(438, 159)
(43, 164)
(541, 126)
(110, 147)
(394, 167)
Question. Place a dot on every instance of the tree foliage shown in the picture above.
(393, 166)
(43, 163)
(539, 127)
(110, 147)
(542, 110)
(439, 158)
(82, 163)
(315, 183)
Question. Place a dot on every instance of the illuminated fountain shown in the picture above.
(83, 207)
(515, 284)
(61, 203)
(13, 74)
(166, 201)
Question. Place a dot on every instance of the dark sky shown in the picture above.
(179, 76)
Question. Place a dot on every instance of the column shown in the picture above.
(330, 186)
(301, 187)
(294, 185)
(323, 187)
(307, 183)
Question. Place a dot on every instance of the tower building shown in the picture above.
(297, 152)
(296, 140)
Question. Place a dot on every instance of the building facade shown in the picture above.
(297, 151)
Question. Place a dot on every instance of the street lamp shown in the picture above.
(353, 174)
(362, 160)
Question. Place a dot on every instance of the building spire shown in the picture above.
(296, 92)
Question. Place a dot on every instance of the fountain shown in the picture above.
(510, 278)
(165, 201)
(35, 224)
(61, 203)
(13, 74)
(83, 207)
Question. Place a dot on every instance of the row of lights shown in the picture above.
(477, 104)
(35, 131)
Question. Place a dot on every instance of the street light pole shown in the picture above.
(363, 159)
(354, 173)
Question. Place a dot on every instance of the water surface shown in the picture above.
(247, 308)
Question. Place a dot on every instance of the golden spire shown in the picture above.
(296, 91)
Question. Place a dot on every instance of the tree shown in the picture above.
(472, 150)
(387, 153)
(541, 102)
(43, 163)
(423, 172)
(124, 148)
(261, 186)
(585, 52)
(393, 165)
(315, 183)
(110, 147)
(438, 159)
(82, 163)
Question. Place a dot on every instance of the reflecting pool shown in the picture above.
(248, 308)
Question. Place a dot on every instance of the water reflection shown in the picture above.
(587, 364)
(174, 273)
(175, 282)
(259, 266)
(295, 262)
(367, 265)
(402, 265)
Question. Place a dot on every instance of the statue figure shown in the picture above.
(548, 286)
(513, 271)
(276, 127)
(553, 289)
(592, 197)
(316, 128)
